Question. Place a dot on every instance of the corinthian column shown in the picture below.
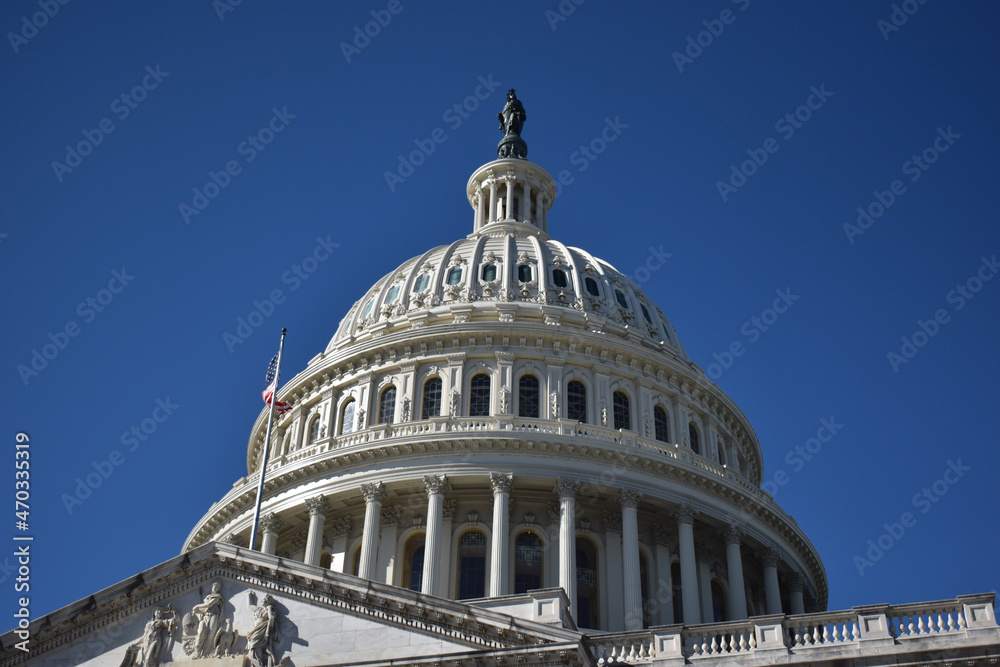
(567, 488)
(629, 499)
(734, 568)
(437, 486)
(501, 483)
(772, 593)
(374, 495)
(689, 566)
(269, 524)
(318, 507)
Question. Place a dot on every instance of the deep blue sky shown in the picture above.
(344, 124)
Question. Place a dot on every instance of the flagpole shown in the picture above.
(267, 444)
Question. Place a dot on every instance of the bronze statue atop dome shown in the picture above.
(511, 121)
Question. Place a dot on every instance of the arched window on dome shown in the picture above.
(314, 429)
(719, 612)
(347, 417)
(430, 405)
(357, 561)
(622, 410)
(422, 283)
(644, 588)
(524, 273)
(576, 401)
(588, 599)
(675, 584)
(661, 423)
(368, 308)
(479, 395)
(527, 396)
(391, 297)
(645, 313)
(559, 278)
(720, 452)
(455, 275)
(695, 439)
(527, 562)
(413, 562)
(621, 299)
(387, 405)
(591, 286)
(489, 272)
(325, 560)
(472, 565)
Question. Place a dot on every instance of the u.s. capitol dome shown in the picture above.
(506, 413)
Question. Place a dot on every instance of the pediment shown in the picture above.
(219, 603)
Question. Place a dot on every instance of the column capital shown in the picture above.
(629, 498)
(567, 488)
(501, 482)
(685, 514)
(796, 582)
(342, 526)
(374, 492)
(437, 484)
(391, 515)
(734, 534)
(235, 539)
(448, 509)
(271, 523)
(318, 505)
(769, 557)
(612, 521)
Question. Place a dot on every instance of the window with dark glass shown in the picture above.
(559, 278)
(325, 560)
(347, 417)
(454, 276)
(479, 395)
(472, 565)
(620, 297)
(576, 401)
(592, 287)
(623, 415)
(644, 588)
(645, 313)
(387, 405)
(413, 562)
(693, 435)
(431, 403)
(661, 424)
(524, 273)
(527, 396)
(718, 602)
(588, 601)
(489, 272)
(527, 562)
(675, 584)
(422, 283)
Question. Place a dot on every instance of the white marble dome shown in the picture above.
(506, 413)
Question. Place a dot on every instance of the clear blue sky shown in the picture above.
(105, 224)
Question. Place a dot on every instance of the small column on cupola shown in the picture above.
(511, 192)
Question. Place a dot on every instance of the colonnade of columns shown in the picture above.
(623, 558)
(490, 208)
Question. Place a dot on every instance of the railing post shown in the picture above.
(873, 625)
(770, 633)
(979, 617)
(668, 645)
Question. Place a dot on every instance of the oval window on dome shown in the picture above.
(592, 287)
(559, 278)
(524, 273)
(645, 313)
(455, 276)
(621, 298)
(422, 283)
(489, 272)
(393, 293)
(368, 308)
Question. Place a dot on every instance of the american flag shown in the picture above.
(272, 369)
